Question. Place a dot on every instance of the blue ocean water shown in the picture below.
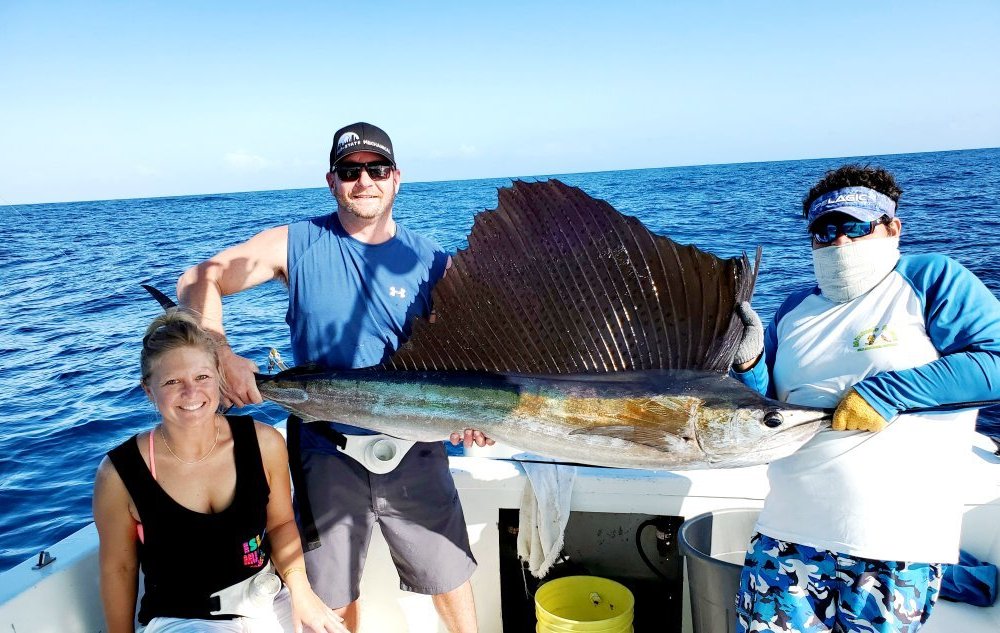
(73, 311)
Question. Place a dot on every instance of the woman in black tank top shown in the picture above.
(202, 503)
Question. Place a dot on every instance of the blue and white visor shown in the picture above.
(860, 203)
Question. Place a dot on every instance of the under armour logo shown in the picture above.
(397, 292)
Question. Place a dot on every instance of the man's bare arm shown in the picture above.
(259, 259)
(201, 288)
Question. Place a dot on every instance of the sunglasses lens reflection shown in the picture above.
(852, 229)
(349, 174)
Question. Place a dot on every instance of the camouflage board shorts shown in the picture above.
(795, 588)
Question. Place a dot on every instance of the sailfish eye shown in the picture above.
(773, 419)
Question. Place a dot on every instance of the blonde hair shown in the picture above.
(172, 330)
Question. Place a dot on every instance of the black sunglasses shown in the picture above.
(828, 233)
(376, 171)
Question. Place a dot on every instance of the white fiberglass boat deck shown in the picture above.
(63, 596)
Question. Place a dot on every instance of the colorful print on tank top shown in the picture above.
(252, 555)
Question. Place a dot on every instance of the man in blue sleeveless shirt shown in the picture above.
(355, 281)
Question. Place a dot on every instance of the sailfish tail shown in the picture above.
(165, 302)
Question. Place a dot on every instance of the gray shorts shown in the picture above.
(417, 507)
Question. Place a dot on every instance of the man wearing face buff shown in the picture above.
(837, 546)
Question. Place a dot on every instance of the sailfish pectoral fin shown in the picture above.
(653, 438)
(664, 424)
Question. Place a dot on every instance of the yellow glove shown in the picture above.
(855, 414)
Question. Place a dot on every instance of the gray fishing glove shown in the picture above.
(752, 344)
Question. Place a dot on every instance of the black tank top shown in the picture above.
(187, 556)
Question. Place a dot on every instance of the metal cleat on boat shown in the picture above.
(44, 559)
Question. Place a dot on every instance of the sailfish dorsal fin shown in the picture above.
(554, 281)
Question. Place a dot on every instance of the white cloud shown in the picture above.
(462, 151)
(245, 161)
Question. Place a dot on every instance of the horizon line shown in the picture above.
(511, 178)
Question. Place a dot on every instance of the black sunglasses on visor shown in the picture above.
(379, 170)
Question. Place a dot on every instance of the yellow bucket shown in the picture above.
(584, 603)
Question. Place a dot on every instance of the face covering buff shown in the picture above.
(849, 271)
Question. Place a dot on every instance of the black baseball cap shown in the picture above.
(360, 137)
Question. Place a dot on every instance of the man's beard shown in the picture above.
(366, 211)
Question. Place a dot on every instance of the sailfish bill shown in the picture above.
(568, 329)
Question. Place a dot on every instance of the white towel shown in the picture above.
(544, 514)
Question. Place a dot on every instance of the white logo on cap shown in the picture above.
(851, 197)
(347, 138)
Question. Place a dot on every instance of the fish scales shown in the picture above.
(663, 419)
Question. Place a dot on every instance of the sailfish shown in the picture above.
(568, 329)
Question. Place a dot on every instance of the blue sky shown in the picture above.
(131, 99)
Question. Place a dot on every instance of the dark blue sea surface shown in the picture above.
(72, 312)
